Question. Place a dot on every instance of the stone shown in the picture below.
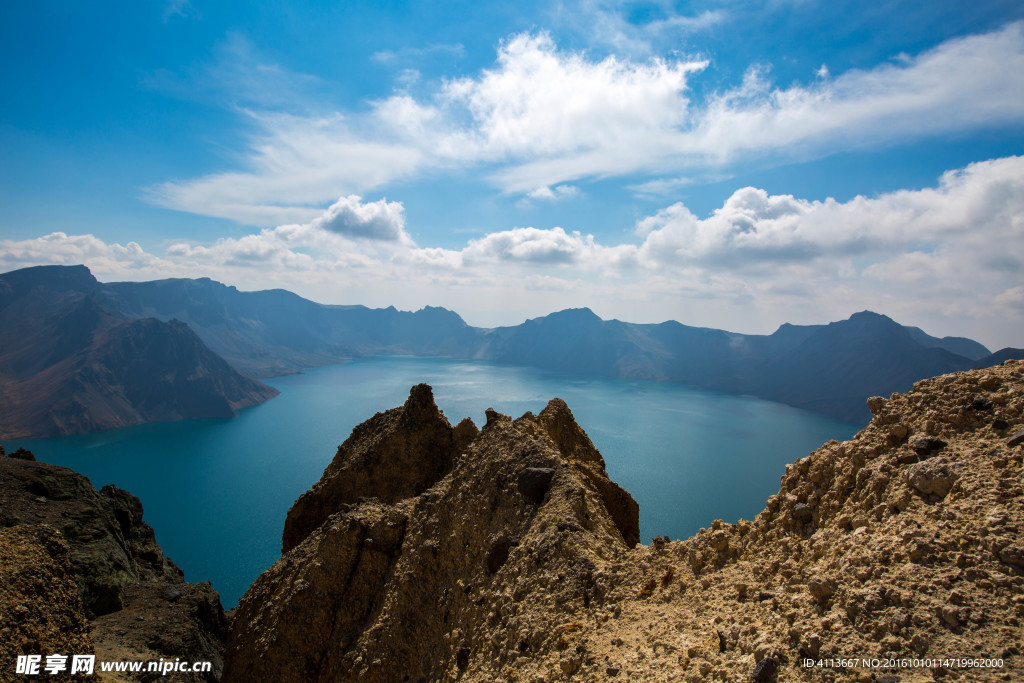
(898, 432)
(925, 445)
(1016, 439)
(932, 477)
(876, 404)
(533, 483)
(498, 553)
(1013, 554)
(821, 588)
(802, 513)
(765, 670)
(981, 403)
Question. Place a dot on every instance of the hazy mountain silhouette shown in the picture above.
(830, 368)
(276, 332)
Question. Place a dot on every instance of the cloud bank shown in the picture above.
(948, 258)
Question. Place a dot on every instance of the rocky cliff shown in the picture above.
(69, 364)
(81, 572)
(430, 553)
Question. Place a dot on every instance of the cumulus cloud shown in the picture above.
(531, 245)
(380, 220)
(543, 117)
(59, 248)
(979, 209)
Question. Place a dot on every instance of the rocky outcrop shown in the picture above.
(109, 575)
(518, 562)
(427, 580)
(392, 456)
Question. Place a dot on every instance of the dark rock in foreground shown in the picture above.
(81, 560)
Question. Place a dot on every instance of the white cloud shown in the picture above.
(553, 194)
(980, 209)
(179, 8)
(296, 164)
(539, 101)
(948, 258)
(380, 220)
(531, 245)
(417, 54)
(542, 117)
(59, 248)
(604, 23)
(962, 84)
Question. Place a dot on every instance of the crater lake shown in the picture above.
(217, 491)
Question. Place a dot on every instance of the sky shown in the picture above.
(722, 163)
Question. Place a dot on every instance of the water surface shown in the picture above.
(217, 491)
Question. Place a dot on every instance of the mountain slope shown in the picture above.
(838, 365)
(276, 332)
(830, 368)
(69, 365)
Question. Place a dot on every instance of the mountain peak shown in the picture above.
(76, 278)
(576, 314)
(866, 315)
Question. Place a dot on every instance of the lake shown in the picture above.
(217, 491)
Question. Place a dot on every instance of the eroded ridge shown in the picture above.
(516, 558)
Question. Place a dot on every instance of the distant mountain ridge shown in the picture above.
(830, 368)
(69, 364)
(276, 332)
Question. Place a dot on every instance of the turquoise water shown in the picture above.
(217, 491)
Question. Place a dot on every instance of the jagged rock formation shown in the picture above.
(375, 462)
(69, 364)
(514, 559)
(402, 586)
(109, 575)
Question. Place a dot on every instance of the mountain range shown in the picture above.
(78, 355)
(70, 364)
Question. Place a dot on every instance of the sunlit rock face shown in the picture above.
(508, 554)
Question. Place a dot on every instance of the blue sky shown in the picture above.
(730, 164)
